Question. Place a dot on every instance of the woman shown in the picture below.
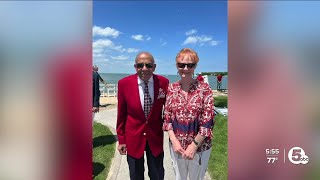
(189, 119)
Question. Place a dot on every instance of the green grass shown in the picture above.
(221, 101)
(218, 163)
(103, 150)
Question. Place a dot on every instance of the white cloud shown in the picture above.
(162, 42)
(140, 37)
(100, 60)
(119, 48)
(121, 57)
(201, 40)
(106, 44)
(107, 31)
(96, 51)
(190, 40)
(101, 46)
(204, 38)
(132, 50)
(213, 43)
(101, 43)
(137, 37)
(97, 55)
(192, 31)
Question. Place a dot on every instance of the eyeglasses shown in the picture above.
(141, 65)
(189, 65)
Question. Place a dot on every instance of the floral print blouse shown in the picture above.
(191, 116)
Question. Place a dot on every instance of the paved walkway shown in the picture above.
(119, 168)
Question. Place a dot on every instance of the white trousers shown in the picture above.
(195, 168)
(93, 118)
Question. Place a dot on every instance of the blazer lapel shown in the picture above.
(156, 88)
(156, 91)
(136, 95)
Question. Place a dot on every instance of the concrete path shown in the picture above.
(119, 168)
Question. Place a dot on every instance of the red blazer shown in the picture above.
(133, 128)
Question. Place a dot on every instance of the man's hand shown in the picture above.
(95, 109)
(122, 148)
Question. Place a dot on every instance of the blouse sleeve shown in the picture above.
(167, 124)
(206, 118)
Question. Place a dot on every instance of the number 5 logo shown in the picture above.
(297, 156)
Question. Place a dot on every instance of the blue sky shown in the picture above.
(122, 29)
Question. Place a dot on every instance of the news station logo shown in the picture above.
(296, 155)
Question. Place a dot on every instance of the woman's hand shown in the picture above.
(190, 151)
(177, 147)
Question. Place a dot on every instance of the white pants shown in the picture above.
(195, 168)
(93, 118)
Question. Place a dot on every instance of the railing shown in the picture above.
(212, 80)
(108, 90)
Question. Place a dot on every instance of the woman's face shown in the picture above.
(186, 67)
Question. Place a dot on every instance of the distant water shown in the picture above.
(113, 78)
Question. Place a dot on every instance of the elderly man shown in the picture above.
(95, 91)
(96, 69)
(139, 123)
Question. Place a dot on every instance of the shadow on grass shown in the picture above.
(221, 101)
(104, 140)
(97, 169)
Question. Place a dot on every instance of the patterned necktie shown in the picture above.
(147, 100)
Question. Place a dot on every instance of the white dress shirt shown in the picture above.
(141, 90)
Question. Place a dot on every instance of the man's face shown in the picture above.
(145, 66)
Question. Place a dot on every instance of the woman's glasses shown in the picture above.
(189, 65)
(141, 65)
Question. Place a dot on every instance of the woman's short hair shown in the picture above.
(188, 52)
